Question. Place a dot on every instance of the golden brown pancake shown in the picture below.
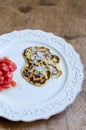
(41, 65)
(37, 54)
(36, 74)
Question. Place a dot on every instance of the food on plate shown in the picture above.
(7, 67)
(41, 65)
(37, 54)
(36, 74)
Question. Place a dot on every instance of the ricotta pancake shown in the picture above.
(36, 74)
(41, 65)
(37, 54)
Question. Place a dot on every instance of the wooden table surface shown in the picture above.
(66, 18)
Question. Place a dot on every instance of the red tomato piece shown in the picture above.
(13, 83)
(4, 67)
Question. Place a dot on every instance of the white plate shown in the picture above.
(27, 102)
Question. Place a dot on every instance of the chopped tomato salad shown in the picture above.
(7, 67)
